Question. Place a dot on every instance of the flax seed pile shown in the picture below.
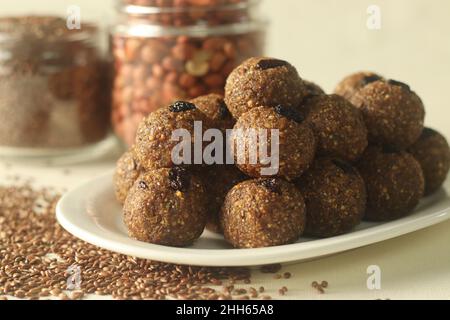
(35, 254)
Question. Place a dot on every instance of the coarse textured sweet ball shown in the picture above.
(339, 127)
(433, 153)
(394, 181)
(154, 144)
(166, 207)
(355, 82)
(263, 82)
(393, 113)
(296, 147)
(263, 213)
(335, 197)
(214, 107)
(218, 180)
(312, 89)
(127, 171)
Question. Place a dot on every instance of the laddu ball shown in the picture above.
(395, 183)
(166, 207)
(263, 213)
(339, 127)
(214, 107)
(351, 84)
(154, 144)
(218, 180)
(433, 153)
(297, 143)
(312, 89)
(263, 82)
(335, 196)
(127, 171)
(393, 113)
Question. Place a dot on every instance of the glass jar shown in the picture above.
(54, 87)
(177, 50)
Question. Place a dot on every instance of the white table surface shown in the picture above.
(415, 266)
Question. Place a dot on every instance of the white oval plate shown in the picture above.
(91, 213)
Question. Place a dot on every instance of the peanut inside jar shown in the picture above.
(166, 51)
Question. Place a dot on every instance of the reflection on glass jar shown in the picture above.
(177, 50)
(54, 85)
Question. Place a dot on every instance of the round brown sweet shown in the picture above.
(339, 127)
(297, 143)
(394, 181)
(263, 213)
(154, 146)
(166, 207)
(127, 171)
(218, 180)
(433, 153)
(312, 89)
(393, 113)
(214, 107)
(355, 82)
(263, 82)
(335, 197)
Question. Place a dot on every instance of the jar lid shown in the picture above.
(148, 7)
(34, 43)
(148, 30)
(142, 18)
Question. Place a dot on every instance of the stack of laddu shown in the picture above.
(361, 153)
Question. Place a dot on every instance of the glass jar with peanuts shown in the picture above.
(168, 50)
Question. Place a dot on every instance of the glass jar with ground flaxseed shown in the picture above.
(54, 87)
(167, 50)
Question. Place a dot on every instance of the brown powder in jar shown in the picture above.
(54, 84)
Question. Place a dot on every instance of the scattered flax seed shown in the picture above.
(283, 291)
(239, 292)
(261, 289)
(266, 298)
(277, 276)
(36, 254)
(273, 268)
(228, 289)
(253, 293)
(287, 275)
(320, 287)
(216, 282)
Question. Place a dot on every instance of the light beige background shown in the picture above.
(326, 39)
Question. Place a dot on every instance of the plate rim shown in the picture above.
(296, 252)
